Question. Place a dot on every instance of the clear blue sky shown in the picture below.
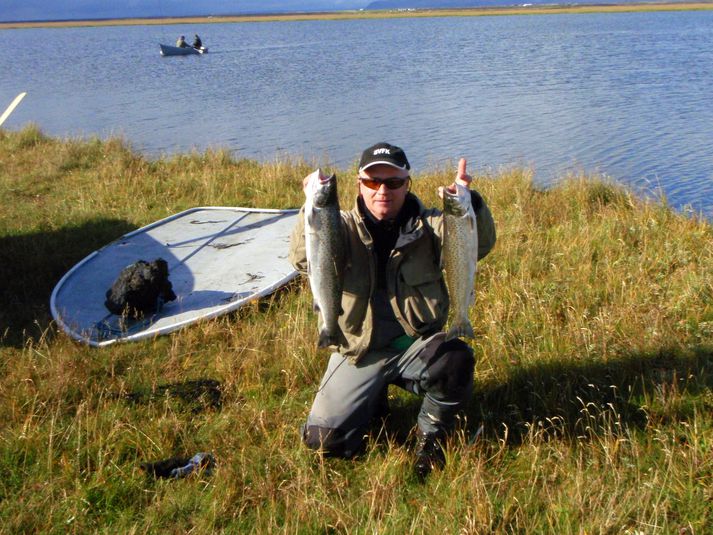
(13, 10)
(17, 10)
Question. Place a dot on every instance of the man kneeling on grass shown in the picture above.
(394, 308)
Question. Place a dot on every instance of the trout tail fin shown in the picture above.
(462, 329)
(327, 338)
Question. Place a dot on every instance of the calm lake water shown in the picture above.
(626, 95)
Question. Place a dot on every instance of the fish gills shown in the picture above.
(325, 247)
(460, 258)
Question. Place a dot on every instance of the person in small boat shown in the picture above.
(197, 43)
(181, 42)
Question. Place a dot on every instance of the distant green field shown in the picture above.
(593, 402)
(339, 15)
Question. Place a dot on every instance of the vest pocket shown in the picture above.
(424, 297)
(354, 307)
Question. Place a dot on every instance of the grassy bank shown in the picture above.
(592, 412)
(378, 14)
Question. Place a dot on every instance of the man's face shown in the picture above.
(383, 202)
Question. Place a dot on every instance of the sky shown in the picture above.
(19, 10)
(16, 10)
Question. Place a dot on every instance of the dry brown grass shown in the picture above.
(592, 411)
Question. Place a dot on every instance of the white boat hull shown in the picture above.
(219, 259)
(168, 50)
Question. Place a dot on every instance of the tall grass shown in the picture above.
(592, 411)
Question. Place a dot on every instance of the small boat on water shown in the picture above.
(168, 50)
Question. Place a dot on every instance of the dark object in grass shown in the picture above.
(140, 289)
(178, 467)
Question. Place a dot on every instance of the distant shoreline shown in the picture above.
(378, 14)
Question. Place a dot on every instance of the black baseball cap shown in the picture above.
(386, 154)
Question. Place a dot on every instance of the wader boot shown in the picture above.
(429, 454)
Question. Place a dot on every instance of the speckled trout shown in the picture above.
(460, 257)
(324, 244)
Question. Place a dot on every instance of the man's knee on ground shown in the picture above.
(330, 442)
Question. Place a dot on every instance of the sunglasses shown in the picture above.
(390, 183)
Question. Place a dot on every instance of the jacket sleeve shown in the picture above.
(297, 254)
(485, 223)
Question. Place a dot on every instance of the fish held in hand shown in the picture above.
(325, 251)
(460, 257)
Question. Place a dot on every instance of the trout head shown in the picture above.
(324, 191)
(456, 204)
